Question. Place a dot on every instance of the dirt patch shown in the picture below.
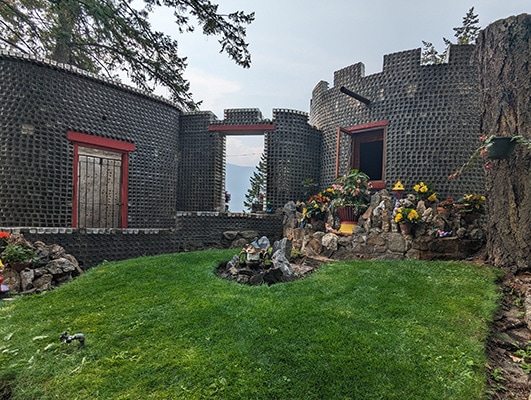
(304, 265)
(509, 343)
(5, 391)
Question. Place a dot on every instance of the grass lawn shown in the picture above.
(166, 327)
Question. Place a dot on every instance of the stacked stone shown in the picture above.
(50, 268)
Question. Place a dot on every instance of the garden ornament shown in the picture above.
(68, 339)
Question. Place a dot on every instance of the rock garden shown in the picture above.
(28, 268)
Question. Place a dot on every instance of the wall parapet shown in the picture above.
(193, 231)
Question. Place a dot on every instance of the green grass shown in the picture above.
(166, 327)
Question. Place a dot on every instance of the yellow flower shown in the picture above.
(423, 189)
(398, 217)
(433, 197)
(416, 188)
(413, 214)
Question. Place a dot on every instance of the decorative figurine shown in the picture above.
(68, 339)
(398, 189)
(254, 256)
(3, 288)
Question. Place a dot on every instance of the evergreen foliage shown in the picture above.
(107, 36)
(465, 34)
(255, 194)
(469, 31)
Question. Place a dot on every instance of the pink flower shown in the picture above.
(454, 175)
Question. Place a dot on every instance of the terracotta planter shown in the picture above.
(444, 211)
(500, 148)
(19, 267)
(405, 228)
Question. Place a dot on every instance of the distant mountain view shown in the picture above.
(237, 184)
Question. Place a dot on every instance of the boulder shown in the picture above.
(290, 215)
(283, 245)
(230, 235)
(329, 241)
(249, 235)
(26, 279)
(11, 279)
(281, 262)
(44, 283)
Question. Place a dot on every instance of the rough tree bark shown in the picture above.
(504, 58)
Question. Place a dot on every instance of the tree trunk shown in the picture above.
(67, 14)
(504, 58)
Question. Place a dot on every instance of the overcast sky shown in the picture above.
(297, 43)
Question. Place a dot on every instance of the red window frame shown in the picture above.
(94, 142)
(364, 133)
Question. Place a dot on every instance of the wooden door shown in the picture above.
(99, 188)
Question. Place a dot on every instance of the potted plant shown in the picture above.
(316, 207)
(425, 192)
(493, 147)
(17, 257)
(471, 206)
(405, 217)
(445, 207)
(352, 194)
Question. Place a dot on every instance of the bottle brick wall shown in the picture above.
(40, 103)
(179, 164)
(201, 164)
(294, 154)
(432, 113)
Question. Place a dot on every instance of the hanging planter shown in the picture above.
(500, 147)
(494, 147)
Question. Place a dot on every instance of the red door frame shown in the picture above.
(94, 142)
(380, 125)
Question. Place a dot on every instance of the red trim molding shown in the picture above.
(83, 140)
(365, 127)
(242, 129)
(352, 130)
(100, 143)
(76, 186)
